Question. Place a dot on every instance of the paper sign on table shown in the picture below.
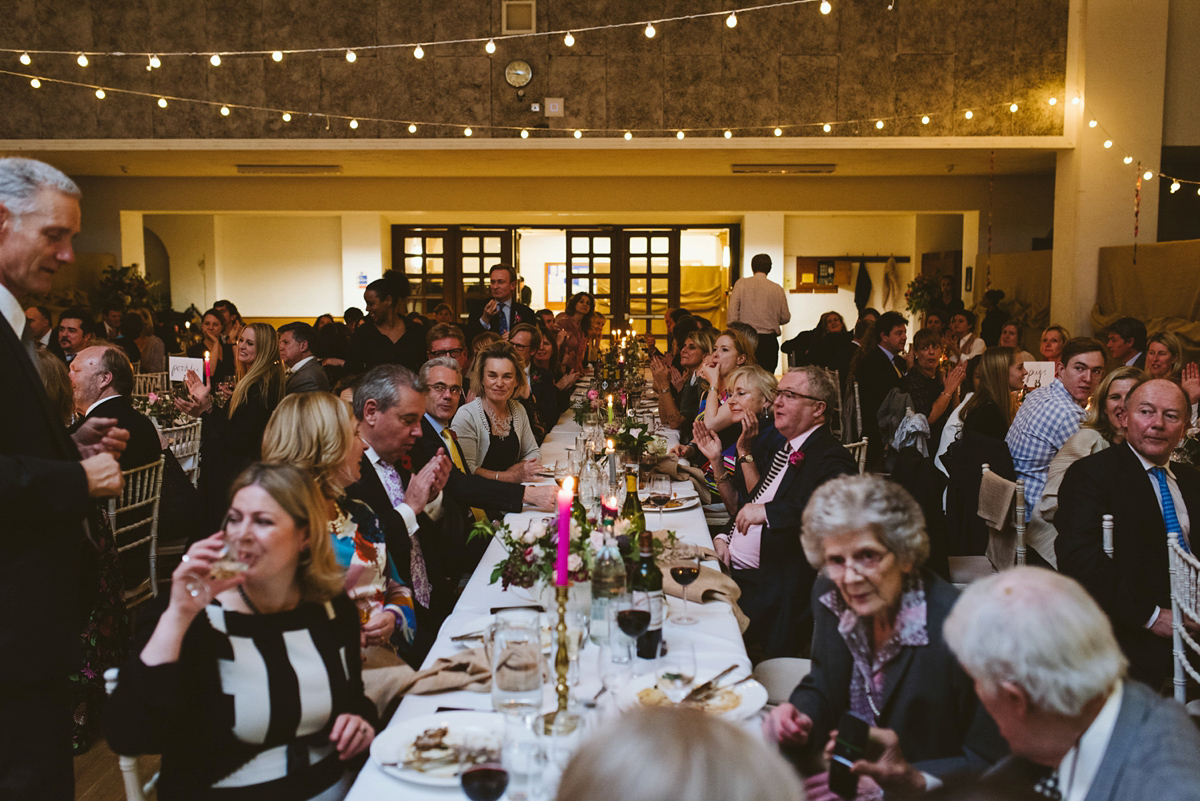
(1039, 374)
(179, 365)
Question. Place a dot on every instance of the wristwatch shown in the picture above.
(748, 459)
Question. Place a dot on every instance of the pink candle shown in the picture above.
(207, 367)
(565, 498)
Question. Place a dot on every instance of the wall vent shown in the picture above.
(289, 169)
(783, 169)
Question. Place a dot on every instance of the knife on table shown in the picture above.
(699, 692)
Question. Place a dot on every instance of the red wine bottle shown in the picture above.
(647, 578)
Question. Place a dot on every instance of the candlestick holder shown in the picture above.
(562, 658)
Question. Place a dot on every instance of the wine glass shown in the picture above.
(685, 568)
(633, 613)
(562, 468)
(524, 755)
(226, 566)
(578, 623)
(675, 670)
(480, 770)
(659, 494)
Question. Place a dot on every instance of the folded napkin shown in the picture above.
(710, 585)
(996, 497)
(670, 466)
(466, 670)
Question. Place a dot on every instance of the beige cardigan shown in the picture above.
(470, 426)
(1041, 532)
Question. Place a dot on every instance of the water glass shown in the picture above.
(675, 669)
(524, 756)
(516, 658)
(578, 623)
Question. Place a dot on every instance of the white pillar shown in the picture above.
(133, 240)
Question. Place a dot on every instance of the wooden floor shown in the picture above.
(97, 777)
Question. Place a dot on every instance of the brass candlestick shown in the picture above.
(562, 659)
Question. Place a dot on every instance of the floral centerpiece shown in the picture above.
(923, 293)
(586, 405)
(634, 436)
(160, 408)
(531, 553)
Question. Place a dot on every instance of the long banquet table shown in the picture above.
(716, 637)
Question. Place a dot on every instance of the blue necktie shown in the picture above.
(503, 320)
(1168, 507)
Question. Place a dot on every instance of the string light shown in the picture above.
(628, 135)
(100, 94)
(467, 132)
(490, 47)
(1107, 144)
(287, 116)
(419, 52)
(879, 124)
(1174, 187)
(35, 83)
(779, 132)
(925, 120)
(569, 39)
(825, 7)
(215, 60)
(155, 63)
(82, 60)
(729, 134)
(1075, 101)
(1092, 123)
(731, 20)
(25, 59)
(1053, 101)
(224, 111)
(826, 127)
(1147, 175)
(162, 102)
(1128, 159)
(524, 134)
(277, 56)
(1013, 108)
(679, 135)
(578, 134)
(650, 30)
(412, 128)
(969, 114)
(354, 124)
(351, 56)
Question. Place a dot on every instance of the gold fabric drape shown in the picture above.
(1163, 290)
(702, 292)
(1025, 279)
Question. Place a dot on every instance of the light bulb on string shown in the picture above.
(224, 111)
(969, 114)
(729, 134)
(1174, 187)
(1198, 191)
(826, 127)
(467, 132)
(578, 134)
(779, 132)
(731, 20)
(1053, 101)
(1128, 159)
(155, 62)
(524, 134)
(25, 59)
(628, 135)
(1013, 108)
(412, 128)
(82, 60)
(215, 60)
(277, 56)
(826, 7)
(650, 30)
(35, 83)
(1092, 123)
(354, 124)
(879, 124)
(1075, 101)
(351, 56)
(162, 102)
(1107, 144)
(925, 120)
(287, 116)
(100, 94)
(419, 52)
(679, 135)
(490, 47)
(1147, 175)
(569, 39)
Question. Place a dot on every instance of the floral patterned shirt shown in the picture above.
(360, 547)
(867, 681)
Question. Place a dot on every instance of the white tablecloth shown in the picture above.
(717, 639)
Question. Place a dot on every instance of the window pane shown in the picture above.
(603, 305)
(658, 286)
(580, 244)
(660, 244)
(660, 265)
(637, 286)
(600, 265)
(470, 244)
(491, 244)
(637, 264)
(489, 262)
(412, 265)
(637, 244)
(603, 287)
(580, 285)
(412, 244)
(470, 264)
(433, 244)
(602, 244)
(434, 265)
(433, 287)
(580, 266)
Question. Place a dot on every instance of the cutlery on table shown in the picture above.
(710, 692)
(696, 692)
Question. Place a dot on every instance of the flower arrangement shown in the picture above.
(160, 408)
(923, 293)
(531, 553)
(125, 287)
(633, 436)
(586, 405)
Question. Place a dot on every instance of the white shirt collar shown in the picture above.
(1147, 464)
(1133, 359)
(1079, 767)
(891, 357)
(372, 455)
(10, 307)
(97, 403)
(433, 421)
(301, 363)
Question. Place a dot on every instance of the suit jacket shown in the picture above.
(1135, 580)
(44, 497)
(144, 446)
(463, 491)
(309, 378)
(1152, 753)
(928, 700)
(778, 601)
(876, 376)
(520, 313)
(369, 489)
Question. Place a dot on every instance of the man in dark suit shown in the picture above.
(46, 482)
(389, 403)
(467, 497)
(502, 311)
(1127, 481)
(774, 481)
(73, 335)
(304, 373)
(102, 380)
(879, 370)
(1126, 343)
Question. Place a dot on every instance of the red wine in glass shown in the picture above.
(633, 622)
(486, 782)
(685, 574)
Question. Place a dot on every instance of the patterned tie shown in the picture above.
(1047, 786)
(395, 490)
(1168, 507)
(452, 449)
(777, 465)
(503, 321)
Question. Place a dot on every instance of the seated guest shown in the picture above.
(1148, 497)
(38, 318)
(322, 321)
(468, 497)
(255, 639)
(130, 329)
(331, 347)
(774, 482)
(878, 367)
(828, 346)
(56, 378)
(231, 438)
(574, 344)
(745, 329)
(548, 365)
(352, 318)
(102, 381)
(541, 404)
(999, 374)
(303, 373)
(445, 339)
(1053, 340)
(493, 430)
(730, 351)
(696, 756)
(808, 347)
(1164, 356)
(966, 344)
(233, 320)
(389, 403)
(878, 651)
(443, 314)
(678, 411)
(318, 433)
(1050, 415)
(74, 332)
(1127, 343)
(220, 353)
(751, 395)
(936, 321)
(152, 348)
(1010, 337)
(111, 314)
(933, 392)
(1049, 671)
(386, 337)
(593, 330)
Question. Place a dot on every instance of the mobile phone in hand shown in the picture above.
(850, 746)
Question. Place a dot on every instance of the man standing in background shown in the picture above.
(762, 303)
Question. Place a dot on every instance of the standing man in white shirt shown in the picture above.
(760, 302)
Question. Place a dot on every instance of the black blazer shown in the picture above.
(876, 376)
(520, 314)
(44, 497)
(144, 446)
(779, 610)
(228, 445)
(928, 700)
(1135, 580)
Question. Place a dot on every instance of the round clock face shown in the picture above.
(518, 74)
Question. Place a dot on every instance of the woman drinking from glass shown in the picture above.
(493, 430)
(242, 683)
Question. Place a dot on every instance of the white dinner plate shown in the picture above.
(392, 744)
(752, 695)
(690, 502)
(483, 622)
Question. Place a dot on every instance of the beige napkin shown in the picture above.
(670, 466)
(467, 670)
(710, 585)
(996, 497)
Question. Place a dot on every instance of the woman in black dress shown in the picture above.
(220, 354)
(990, 410)
(386, 337)
(232, 436)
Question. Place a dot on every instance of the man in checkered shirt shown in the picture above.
(1050, 415)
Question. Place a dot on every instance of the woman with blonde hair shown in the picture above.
(317, 432)
(1053, 340)
(1164, 356)
(232, 436)
(731, 350)
(243, 682)
(680, 413)
(751, 393)
(493, 430)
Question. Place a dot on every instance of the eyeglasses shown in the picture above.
(442, 389)
(787, 394)
(453, 353)
(865, 563)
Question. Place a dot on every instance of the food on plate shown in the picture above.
(718, 704)
(675, 503)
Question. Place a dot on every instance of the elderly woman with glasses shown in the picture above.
(878, 651)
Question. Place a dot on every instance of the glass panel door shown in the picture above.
(423, 254)
(590, 268)
(652, 259)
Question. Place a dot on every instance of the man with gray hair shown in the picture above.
(46, 482)
(389, 403)
(101, 382)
